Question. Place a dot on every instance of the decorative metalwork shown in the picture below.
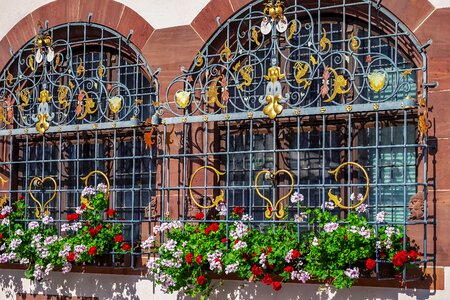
(338, 200)
(85, 200)
(42, 209)
(54, 86)
(218, 199)
(271, 209)
(319, 72)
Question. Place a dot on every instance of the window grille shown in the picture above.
(351, 86)
(100, 91)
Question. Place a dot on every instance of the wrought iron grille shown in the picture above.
(275, 102)
(73, 101)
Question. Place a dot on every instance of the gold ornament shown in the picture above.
(339, 84)
(302, 69)
(182, 98)
(39, 182)
(217, 199)
(377, 81)
(84, 200)
(115, 104)
(325, 43)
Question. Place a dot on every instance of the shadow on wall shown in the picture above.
(296, 291)
(100, 286)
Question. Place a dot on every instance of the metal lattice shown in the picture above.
(73, 100)
(294, 96)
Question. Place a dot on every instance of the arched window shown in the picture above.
(73, 101)
(323, 98)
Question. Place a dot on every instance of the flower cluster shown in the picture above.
(37, 244)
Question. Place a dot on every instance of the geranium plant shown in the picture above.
(271, 253)
(39, 246)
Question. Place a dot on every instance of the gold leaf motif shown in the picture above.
(24, 96)
(255, 33)
(377, 81)
(81, 71)
(292, 30)
(9, 78)
(31, 62)
(339, 83)
(246, 76)
(39, 182)
(88, 106)
(213, 94)
(354, 44)
(301, 70)
(325, 43)
(199, 62)
(407, 72)
(217, 199)
(225, 54)
(313, 60)
(101, 70)
(62, 96)
(71, 85)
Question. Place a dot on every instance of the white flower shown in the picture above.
(102, 188)
(169, 246)
(38, 273)
(359, 197)
(44, 253)
(239, 245)
(88, 191)
(24, 261)
(330, 227)
(352, 197)
(67, 268)
(14, 244)
(48, 269)
(380, 216)
(352, 273)
(3, 247)
(75, 226)
(215, 261)
(47, 220)
(222, 209)
(389, 231)
(50, 240)
(301, 217)
(6, 210)
(240, 231)
(297, 197)
(328, 205)
(80, 210)
(65, 227)
(80, 248)
(362, 208)
(301, 276)
(246, 217)
(5, 221)
(19, 232)
(263, 260)
(33, 225)
(315, 242)
(231, 268)
(148, 243)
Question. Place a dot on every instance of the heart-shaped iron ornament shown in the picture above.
(182, 98)
(278, 209)
(85, 200)
(338, 200)
(217, 199)
(39, 182)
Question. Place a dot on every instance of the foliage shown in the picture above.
(271, 252)
(40, 247)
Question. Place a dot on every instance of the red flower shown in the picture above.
(93, 232)
(224, 240)
(126, 247)
(345, 237)
(21, 197)
(189, 258)
(413, 255)
(238, 210)
(276, 285)
(199, 259)
(1, 236)
(201, 280)
(3, 216)
(370, 264)
(213, 227)
(71, 257)
(196, 230)
(289, 269)
(267, 280)
(83, 206)
(295, 254)
(111, 212)
(118, 238)
(400, 258)
(269, 249)
(257, 271)
(73, 217)
(200, 216)
(92, 250)
(99, 227)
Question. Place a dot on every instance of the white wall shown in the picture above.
(115, 287)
